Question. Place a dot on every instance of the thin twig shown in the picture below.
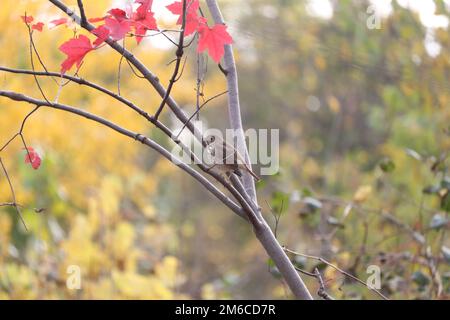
(336, 268)
(276, 216)
(322, 290)
(120, 68)
(30, 34)
(84, 82)
(13, 194)
(179, 54)
(198, 110)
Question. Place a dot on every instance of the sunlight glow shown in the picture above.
(320, 8)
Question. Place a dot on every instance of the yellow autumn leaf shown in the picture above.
(362, 194)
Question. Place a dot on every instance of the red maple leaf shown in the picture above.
(214, 39)
(119, 14)
(33, 158)
(75, 49)
(142, 24)
(143, 19)
(144, 6)
(102, 34)
(27, 19)
(192, 18)
(38, 26)
(58, 22)
(117, 29)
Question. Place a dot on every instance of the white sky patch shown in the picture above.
(431, 45)
(426, 10)
(383, 8)
(163, 14)
(320, 8)
(427, 13)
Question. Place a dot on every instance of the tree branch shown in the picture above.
(81, 81)
(179, 55)
(337, 269)
(13, 194)
(83, 20)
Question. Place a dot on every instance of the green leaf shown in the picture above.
(273, 269)
(445, 202)
(306, 192)
(387, 165)
(279, 202)
(261, 184)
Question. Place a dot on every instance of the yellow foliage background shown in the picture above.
(139, 228)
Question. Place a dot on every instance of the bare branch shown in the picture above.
(179, 54)
(31, 46)
(81, 81)
(83, 21)
(13, 194)
(322, 290)
(336, 268)
(198, 110)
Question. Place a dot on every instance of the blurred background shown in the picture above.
(360, 92)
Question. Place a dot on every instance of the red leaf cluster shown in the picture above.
(119, 22)
(33, 158)
(35, 26)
